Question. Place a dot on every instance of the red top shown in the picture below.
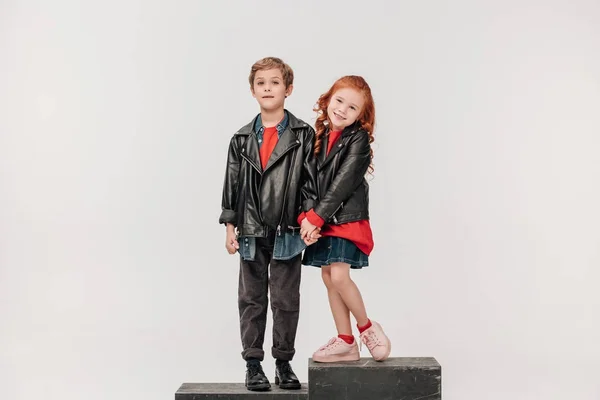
(269, 141)
(358, 232)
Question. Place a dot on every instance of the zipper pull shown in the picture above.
(278, 230)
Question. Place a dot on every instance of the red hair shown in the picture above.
(366, 119)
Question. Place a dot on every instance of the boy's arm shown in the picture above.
(308, 190)
(230, 186)
(348, 178)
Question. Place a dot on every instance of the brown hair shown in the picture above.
(366, 119)
(270, 63)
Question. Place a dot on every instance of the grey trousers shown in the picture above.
(284, 286)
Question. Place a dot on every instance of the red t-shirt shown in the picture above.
(358, 232)
(268, 145)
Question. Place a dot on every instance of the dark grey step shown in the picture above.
(396, 378)
(236, 391)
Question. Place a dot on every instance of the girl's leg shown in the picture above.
(341, 314)
(342, 347)
(348, 291)
(372, 334)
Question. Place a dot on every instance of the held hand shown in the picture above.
(231, 243)
(312, 237)
(306, 228)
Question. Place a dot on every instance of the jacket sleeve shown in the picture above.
(230, 185)
(308, 189)
(348, 177)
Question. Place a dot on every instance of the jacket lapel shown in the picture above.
(286, 142)
(251, 152)
(325, 159)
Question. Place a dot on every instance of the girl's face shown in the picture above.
(344, 108)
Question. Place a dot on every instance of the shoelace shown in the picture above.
(333, 343)
(255, 369)
(370, 340)
(286, 368)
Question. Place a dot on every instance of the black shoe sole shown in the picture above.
(263, 387)
(288, 386)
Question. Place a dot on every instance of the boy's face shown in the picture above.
(269, 89)
(344, 108)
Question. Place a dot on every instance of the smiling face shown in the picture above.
(269, 89)
(345, 108)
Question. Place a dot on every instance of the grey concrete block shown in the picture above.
(236, 391)
(396, 378)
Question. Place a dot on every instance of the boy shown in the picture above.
(270, 178)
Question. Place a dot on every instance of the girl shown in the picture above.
(344, 132)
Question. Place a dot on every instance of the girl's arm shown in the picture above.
(349, 176)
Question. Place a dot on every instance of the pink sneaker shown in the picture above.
(337, 350)
(377, 342)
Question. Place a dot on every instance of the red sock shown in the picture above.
(347, 338)
(361, 329)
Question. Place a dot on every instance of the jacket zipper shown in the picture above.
(260, 171)
(336, 210)
(285, 193)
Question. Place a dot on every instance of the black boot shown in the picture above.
(256, 378)
(285, 376)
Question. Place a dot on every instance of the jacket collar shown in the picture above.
(323, 158)
(259, 129)
(293, 123)
(287, 141)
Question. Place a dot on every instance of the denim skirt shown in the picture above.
(331, 249)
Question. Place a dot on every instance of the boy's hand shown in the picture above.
(231, 243)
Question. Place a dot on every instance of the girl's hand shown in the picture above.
(312, 237)
(306, 228)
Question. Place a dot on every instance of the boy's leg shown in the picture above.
(253, 301)
(284, 285)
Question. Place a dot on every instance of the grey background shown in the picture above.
(114, 123)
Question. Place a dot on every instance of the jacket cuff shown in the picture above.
(314, 219)
(301, 217)
(308, 204)
(228, 217)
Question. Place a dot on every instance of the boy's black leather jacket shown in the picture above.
(253, 198)
(342, 187)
